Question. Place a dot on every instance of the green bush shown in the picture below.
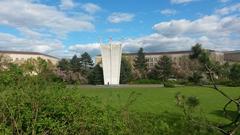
(168, 84)
(146, 81)
(40, 104)
(57, 110)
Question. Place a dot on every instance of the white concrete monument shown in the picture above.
(111, 61)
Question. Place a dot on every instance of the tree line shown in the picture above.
(188, 70)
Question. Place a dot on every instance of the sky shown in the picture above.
(63, 28)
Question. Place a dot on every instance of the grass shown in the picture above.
(159, 100)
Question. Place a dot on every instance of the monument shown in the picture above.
(111, 62)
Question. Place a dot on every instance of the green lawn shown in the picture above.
(158, 100)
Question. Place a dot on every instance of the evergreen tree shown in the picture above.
(75, 64)
(126, 71)
(86, 61)
(164, 68)
(64, 64)
(96, 75)
(200, 54)
(140, 63)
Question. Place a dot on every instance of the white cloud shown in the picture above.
(113, 30)
(159, 43)
(118, 17)
(212, 26)
(67, 4)
(91, 8)
(11, 42)
(39, 17)
(168, 12)
(91, 48)
(228, 10)
(181, 1)
(213, 32)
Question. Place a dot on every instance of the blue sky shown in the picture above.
(65, 27)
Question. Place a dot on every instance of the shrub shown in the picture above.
(169, 84)
(146, 81)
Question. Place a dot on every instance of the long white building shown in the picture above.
(21, 56)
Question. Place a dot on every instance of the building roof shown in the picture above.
(163, 53)
(27, 53)
(230, 52)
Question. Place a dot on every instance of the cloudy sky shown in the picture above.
(66, 27)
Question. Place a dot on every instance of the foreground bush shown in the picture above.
(43, 107)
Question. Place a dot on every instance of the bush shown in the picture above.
(146, 81)
(48, 108)
(168, 84)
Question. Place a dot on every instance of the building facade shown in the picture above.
(232, 56)
(20, 56)
(177, 57)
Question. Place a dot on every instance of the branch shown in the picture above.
(231, 100)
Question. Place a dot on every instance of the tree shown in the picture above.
(196, 78)
(202, 56)
(235, 74)
(75, 64)
(64, 65)
(96, 75)
(86, 61)
(37, 66)
(140, 63)
(126, 71)
(153, 74)
(164, 68)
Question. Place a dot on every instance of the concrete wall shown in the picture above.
(111, 62)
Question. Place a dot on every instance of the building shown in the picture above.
(176, 56)
(111, 62)
(21, 56)
(232, 56)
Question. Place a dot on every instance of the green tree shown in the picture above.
(36, 66)
(96, 75)
(64, 65)
(196, 78)
(201, 54)
(164, 68)
(86, 61)
(126, 71)
(235, 74)
(75, 64)
(152, 74)
(140, 63)
(203, 58)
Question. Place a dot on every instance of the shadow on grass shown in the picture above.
(231, 115)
